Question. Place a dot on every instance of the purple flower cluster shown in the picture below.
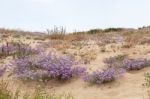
(17, 50)
(99, 77)
(126, 63)
(136, 64)
(23, 50)
(48, 66)
(116, 68)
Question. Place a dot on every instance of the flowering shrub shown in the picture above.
(126, 63)
(136, 64)
(47, 66)
(116, 67)
(17, 50)
(99, 77)
(22, 50)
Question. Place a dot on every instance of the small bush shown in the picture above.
(99, 77)
(126, 63)
(94, 31)
(4, 92)
(47, 67)
(113, 30)
(147, 83)
(132, 39)
(147, 79)
(114, 59)
(40, 93)
(17, 50)
(115, 62)
(136, 64)
(56, 33)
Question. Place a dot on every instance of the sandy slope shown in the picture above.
(130, 86)
(127, 87)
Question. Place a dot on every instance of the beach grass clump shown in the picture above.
(39, 93)
(5, 93)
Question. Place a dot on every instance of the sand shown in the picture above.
(130, 86)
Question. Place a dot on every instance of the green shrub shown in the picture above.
(4, 92)
(94, 31)
(112, 29)
(39, 93)
(147, 83)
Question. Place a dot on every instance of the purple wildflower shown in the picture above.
(99, 77)
(136, 64)
(47, 66)
(18, 50)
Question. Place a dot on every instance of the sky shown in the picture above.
(79, 15)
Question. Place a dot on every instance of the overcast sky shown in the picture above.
(38, 15)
